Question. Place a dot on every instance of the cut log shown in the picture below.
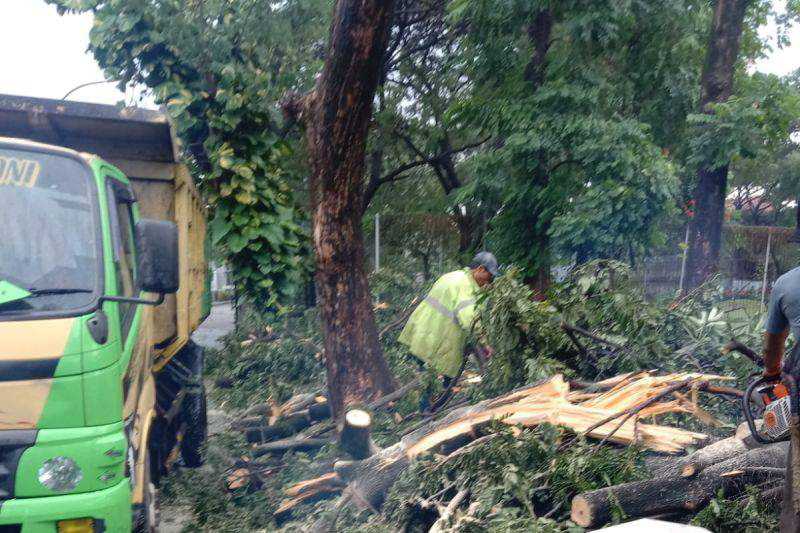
(261, 428)
(282, 428)
(247, 422)
(237, 479)
(354, 437)
(712, 454)
(285, 445)
(673, 494)
(319, 411)
(299, 402)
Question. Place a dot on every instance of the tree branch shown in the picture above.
(399, 173)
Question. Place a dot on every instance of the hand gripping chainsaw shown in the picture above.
(780, 402)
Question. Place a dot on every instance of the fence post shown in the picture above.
(683, 261)
(377, 241)
(766, 270)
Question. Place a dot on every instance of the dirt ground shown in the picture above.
(219, 323)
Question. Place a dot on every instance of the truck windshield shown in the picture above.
(49, 243)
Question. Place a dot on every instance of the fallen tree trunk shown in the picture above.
(740, 442)
(550, 401)
(675, 494)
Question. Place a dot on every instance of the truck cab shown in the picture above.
(93, 397)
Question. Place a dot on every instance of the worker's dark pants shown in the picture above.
(790, 521)
(429, 391)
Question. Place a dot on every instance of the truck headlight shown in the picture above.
(60, 474)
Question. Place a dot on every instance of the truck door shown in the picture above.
(134, 345)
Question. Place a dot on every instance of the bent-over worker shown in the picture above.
(783, 316)
(436, 332)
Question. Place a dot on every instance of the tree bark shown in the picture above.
(705, 229)
(339, 115)
(539, 34)
(678, 494)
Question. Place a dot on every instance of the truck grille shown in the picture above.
(12, 443)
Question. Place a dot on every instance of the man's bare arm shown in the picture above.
(774, 344)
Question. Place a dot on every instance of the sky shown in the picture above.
(44, 55)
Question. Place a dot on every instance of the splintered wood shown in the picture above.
(582, 411)
(612, 410)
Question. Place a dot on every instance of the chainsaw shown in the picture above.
(779, 400)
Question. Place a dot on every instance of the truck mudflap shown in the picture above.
(109, 510)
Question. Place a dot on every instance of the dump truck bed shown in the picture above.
(171, 195)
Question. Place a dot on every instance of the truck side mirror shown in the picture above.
(157, 253)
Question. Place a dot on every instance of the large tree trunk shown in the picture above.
(705, 229)
(539, 33)
(339, 116)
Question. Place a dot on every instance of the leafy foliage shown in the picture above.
(517, 479)
(744, 515)
(270, 359)
(749, 125)
(577, 164)
(524, 334)
(529, 340)
(219, 68)
(601, 297)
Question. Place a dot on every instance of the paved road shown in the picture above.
(218, 323)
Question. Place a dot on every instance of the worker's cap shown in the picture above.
(486, 260)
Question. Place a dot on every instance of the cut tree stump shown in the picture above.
(355, 438)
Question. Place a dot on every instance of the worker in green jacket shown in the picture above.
(436, 332)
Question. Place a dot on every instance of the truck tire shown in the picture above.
(157, 451)
(146, 516)
(193, 411)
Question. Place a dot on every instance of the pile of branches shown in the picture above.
(615, 413)
(505, 455)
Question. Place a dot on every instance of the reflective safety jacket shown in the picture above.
(437, 330)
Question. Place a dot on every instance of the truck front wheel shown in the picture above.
(193, 411)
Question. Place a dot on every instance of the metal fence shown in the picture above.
(423, 243)
(752, 258)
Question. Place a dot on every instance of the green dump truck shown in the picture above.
(102, 281)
